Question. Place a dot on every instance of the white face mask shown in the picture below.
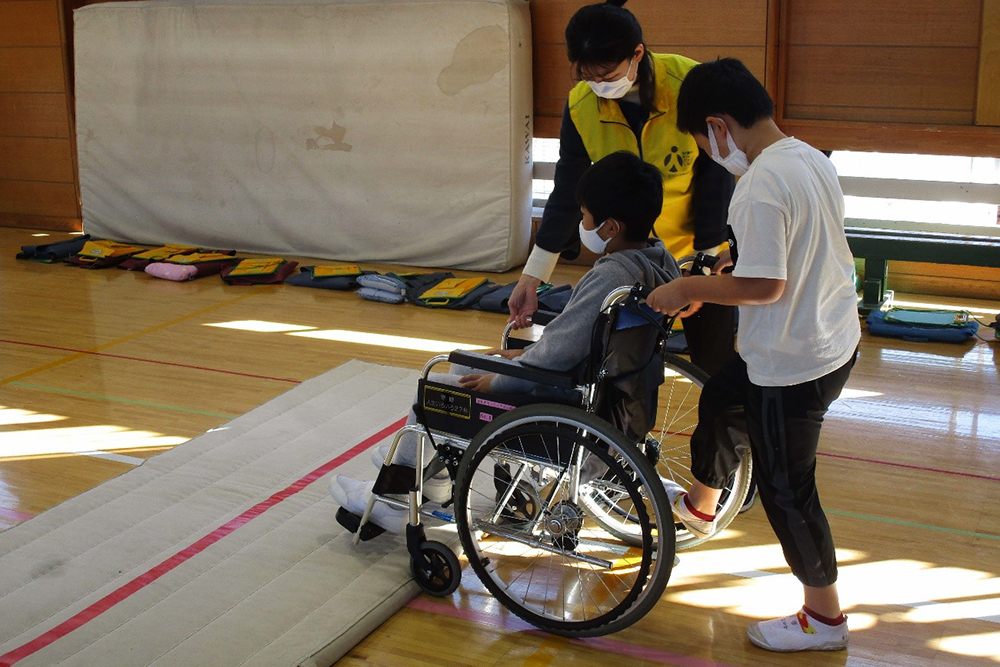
(613, 90)
(591, 240)
(736, 162)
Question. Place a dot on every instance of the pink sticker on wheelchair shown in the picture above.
(485, 416)
(494, 404)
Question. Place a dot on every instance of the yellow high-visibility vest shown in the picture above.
(604, 130)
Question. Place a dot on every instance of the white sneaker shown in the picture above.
(405, 455)
(678, 502)
(437, 489)
(352, 494)
(798, 632)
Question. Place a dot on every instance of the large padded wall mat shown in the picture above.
(378, 130)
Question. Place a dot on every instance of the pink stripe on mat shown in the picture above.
(604, 644)
(143, 580)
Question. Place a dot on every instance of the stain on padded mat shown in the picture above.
(477, 59)
(264, 149)
(331, 139)
(48, 567)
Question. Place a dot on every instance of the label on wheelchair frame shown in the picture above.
(494, 404)
(487, 416)
(443, 401)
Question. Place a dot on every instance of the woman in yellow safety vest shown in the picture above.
(627, 100)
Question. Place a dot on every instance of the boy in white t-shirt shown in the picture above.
(798, 337)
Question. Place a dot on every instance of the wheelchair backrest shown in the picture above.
(625, 367)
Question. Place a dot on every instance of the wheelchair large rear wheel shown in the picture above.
(677, 417)
(669, 445)
(555, 566)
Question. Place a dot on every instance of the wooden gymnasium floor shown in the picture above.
(101, 369)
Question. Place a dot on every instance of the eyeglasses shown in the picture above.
(613, 74)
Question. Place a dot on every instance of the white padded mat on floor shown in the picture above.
(223, 551)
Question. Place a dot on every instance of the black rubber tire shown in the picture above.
(650, 565)
(680, 377)
(438, 572)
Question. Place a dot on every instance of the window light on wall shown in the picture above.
(929, 168)
(864, 174)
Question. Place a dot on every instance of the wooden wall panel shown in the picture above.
(885, 22)
(29, 23)
(34, 159)
(32, 70)
(910, 84)
(701, 31)
(38, 182)
(34, 115)
(892, 75)
(704, 22)
(898, 138)
(881, 115)
(36, 198)
(988, 97)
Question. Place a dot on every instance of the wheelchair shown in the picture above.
(559, 505)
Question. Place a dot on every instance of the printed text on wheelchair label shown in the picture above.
(447, 402)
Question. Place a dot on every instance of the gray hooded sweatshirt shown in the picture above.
(565, 341)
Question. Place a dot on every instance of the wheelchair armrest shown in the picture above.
(503, 366)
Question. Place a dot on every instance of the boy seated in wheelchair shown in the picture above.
(620, 197)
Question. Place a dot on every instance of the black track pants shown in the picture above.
(783, 424)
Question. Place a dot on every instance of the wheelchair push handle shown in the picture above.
(640, 292)
(629, 297)
(635, 302)
(703, 263)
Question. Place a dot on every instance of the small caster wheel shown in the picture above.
(437, 571)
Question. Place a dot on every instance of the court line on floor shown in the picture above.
(80, 353)
(603, 644)
(910, 466)
(893, 464)
(111, 456)
(138, 583)
(116, 399)
(910, 524)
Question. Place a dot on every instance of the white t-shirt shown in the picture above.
(787, 214)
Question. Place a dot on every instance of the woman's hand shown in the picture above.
(477, 382)
(523, 301)
(725, 259)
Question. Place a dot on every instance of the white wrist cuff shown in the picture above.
(541, 263)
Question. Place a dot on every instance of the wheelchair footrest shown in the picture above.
(395, 479)
(352, 521)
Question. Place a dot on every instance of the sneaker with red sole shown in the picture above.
(700, 526)
(798, 632)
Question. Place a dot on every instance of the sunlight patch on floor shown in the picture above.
(11, 416)
(383, 340)
(36, 443)
(260, 326)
